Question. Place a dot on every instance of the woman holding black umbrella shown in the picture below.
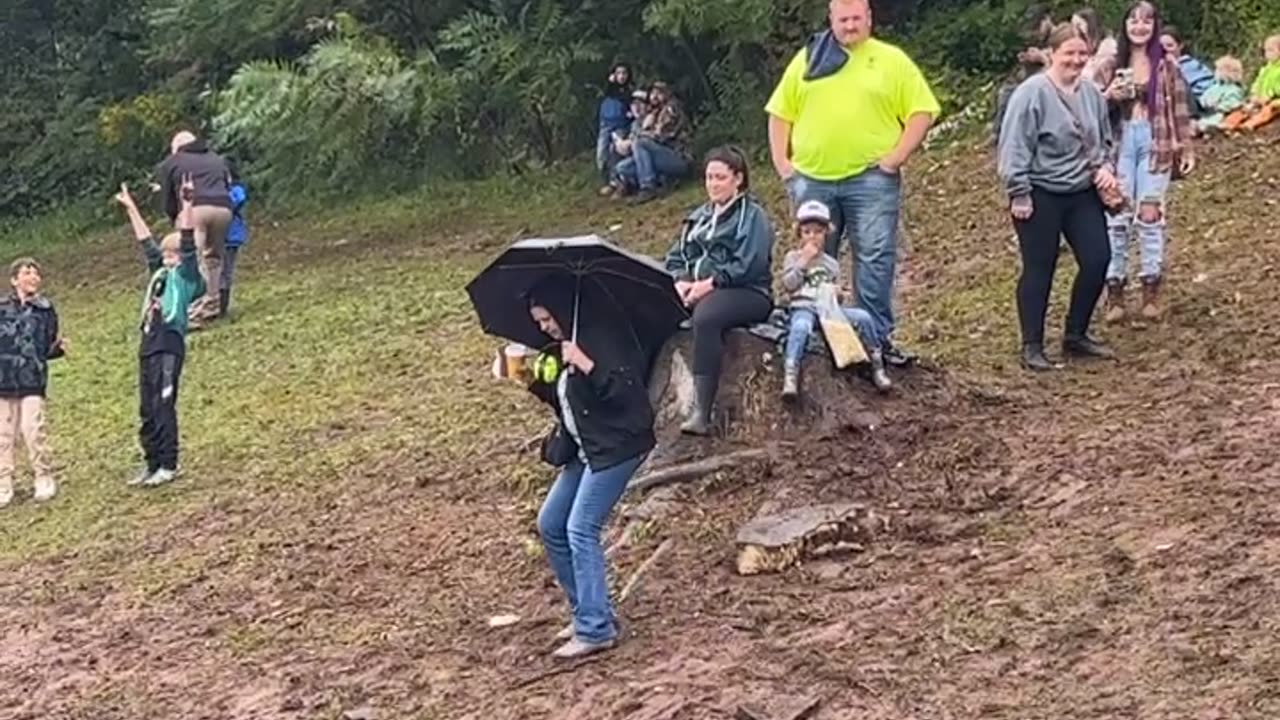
(595, 381)
(721, 265)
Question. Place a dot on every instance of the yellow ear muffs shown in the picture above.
(546, 368)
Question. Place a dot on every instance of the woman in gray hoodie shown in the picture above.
(721, 265)
(1054, 162)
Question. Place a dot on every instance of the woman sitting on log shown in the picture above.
(721, 265)
(596, 384)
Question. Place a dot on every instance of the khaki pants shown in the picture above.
(211, 225)
(24, 416)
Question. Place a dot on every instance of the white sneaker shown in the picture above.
(6, 497)
(140, 478)
(163, 476)
(577, 647)
(45, 490)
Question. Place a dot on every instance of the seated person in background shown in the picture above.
(1198, 75)
(1264, 96)
(1225, 95)
(659, 152)
(614, 117)
(623, 139)
(804, 270)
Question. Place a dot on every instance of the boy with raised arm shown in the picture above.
(174, 281)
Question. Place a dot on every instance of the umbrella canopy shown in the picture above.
(640, 289)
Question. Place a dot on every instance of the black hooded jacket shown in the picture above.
(611, 403)
(28, 341)
(208, 170)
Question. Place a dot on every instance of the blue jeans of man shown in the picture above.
(572, 517)
(1146, 190)
(802, 324)
(866, 206)
(651, 163)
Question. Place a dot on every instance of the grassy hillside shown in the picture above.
(358, 495)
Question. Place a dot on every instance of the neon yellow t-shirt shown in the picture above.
(845, 123)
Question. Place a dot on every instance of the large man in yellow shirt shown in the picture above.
(843, 120)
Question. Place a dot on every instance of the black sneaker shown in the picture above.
(646, 195)
(895, 356)
(1086, 347)
(1033, 359)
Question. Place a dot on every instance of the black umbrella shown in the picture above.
(640, 289)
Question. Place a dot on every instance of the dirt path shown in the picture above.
(1099, 543)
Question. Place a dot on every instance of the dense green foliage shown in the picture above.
(325, 97)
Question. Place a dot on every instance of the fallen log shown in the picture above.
(694, 470)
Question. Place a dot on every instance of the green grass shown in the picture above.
(337, 356)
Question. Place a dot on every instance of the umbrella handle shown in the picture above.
(577, 295)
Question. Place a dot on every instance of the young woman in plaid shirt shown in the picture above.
(1151, 118)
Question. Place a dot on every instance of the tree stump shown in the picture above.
(749, 411)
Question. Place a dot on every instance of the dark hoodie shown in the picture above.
(208, 171)
(610, 404)
(28, 341)
(735, 248)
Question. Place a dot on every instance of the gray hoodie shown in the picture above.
(1052, 140)
(802, 282)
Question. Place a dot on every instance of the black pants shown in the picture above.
(158, 376)
(715, 314)
(1080, 217)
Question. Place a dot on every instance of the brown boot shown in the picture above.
(1115, 301)
(1151, 308)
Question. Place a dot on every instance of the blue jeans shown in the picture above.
(802, 324)
(606, 158)
(651, 163)
(1142, 187)
(867, 206)
(572, 516)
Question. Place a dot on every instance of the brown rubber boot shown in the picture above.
(1151, 307)
(1115, 301)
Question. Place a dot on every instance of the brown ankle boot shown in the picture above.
(1115, 301)
(1151, 308)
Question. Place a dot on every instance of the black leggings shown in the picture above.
(1080, 217)
(716, 313)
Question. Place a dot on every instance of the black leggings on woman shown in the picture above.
(716, 313)
(1080, 217)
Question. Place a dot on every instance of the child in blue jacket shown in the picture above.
(615, 117)
(237, 236)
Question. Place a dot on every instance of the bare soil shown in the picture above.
(1101, 542)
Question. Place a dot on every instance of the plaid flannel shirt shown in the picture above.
(669, 126)
(1170, 118)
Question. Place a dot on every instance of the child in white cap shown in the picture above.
(804, 269)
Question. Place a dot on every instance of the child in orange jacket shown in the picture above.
(1264, 96)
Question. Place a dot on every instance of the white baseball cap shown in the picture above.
(813, 211)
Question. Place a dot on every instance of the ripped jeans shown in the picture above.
(1146, 191)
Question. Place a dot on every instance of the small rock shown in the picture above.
(364, 712)
(1200, 277)
(501, 621)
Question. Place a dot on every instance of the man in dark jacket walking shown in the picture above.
(191, 157)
